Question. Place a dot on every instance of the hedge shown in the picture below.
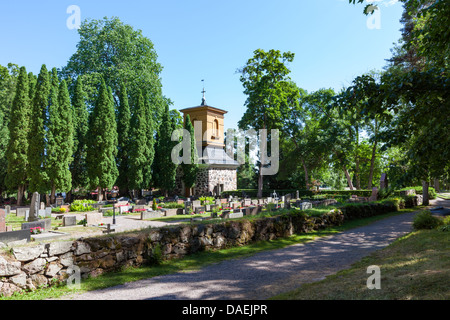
(302, 193)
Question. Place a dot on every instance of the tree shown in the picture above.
(152, 118)
(80, 124)
(138, 145)
(265, 78)
(18, 127)
(60, 140)
(102, 143)
(38, 175)
(164, 170)
(123, 132)
(114, 51)
(190, 170)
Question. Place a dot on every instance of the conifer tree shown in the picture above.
(38, 178)
(123, 132)
(164, 170)
(80, 125)
(138, 145)
(32, 80)
(60, 140)
(17, 160)
(150, 133)
(102, 142)
(190, 170)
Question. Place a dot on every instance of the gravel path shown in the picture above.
(265, 274)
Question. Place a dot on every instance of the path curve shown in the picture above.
(265, 274)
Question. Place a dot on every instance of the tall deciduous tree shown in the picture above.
(60, 140)
(38, 175)
(190, 170)
(265, 78)
(18, 137)
(102, 143)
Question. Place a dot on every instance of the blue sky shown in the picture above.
(210, 40)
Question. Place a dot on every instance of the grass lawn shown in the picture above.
(194, 261)
(444, 196)
(414, 267)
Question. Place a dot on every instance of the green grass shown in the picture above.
(194, 261)
(414, 267)
(444, 196)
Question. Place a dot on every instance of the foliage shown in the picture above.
(102, 137)
(164, 169)
(37, 173)
(82, 205)
(18, 127)
(191, 169)
(80, 126)
(206, 200)
(60, 140)
(425, 220)
(154, 205)
(124, 139)
(138, 146)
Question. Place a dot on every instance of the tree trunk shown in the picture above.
(20, 190)
(372, 165)
(436, 185)
(426, 198)
(52, 194)
(306, 173)
(357, 178)
(100, 194)
(349, 179)
(260, 182)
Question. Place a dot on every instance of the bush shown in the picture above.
(82, 205)
(446, 224)
(425, 220)
(172, 205)
(431, 191)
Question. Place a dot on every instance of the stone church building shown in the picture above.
(218, 171)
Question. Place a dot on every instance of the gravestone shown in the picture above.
(20, 212)
(34, 207)
(42, 206)
(374, 196)
(123, 209)
(42, 213)
(235, 215)
(196, 203)
(59, 201)
(150, 215)
(218, 202)
(383, 181)
(305, 205)
(199, 209)
(13, 236)
(7, 209)
(48, 212)
(2, 220)
(27, 215)
(69, 221)
(247, 202)
(269, 200)
(297, 195)
(94, 218)
(45, 224)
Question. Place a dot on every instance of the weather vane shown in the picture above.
(203, 99)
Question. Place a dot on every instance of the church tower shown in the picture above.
(218, 171)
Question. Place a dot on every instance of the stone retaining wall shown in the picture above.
(28, 268)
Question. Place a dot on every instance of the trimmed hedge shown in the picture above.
(302, 193)
(369, 209)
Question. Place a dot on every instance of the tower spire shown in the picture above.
(203, 99)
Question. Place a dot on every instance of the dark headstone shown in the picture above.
(44, 224)
(18, 235)
(34, 207)
(69, 221)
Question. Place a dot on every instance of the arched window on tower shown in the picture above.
(216, 129)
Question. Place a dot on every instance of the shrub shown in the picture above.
(82, 205)
(154, 205)
(445, 224)
(431, 191)
(172, 205)
(425, 220)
